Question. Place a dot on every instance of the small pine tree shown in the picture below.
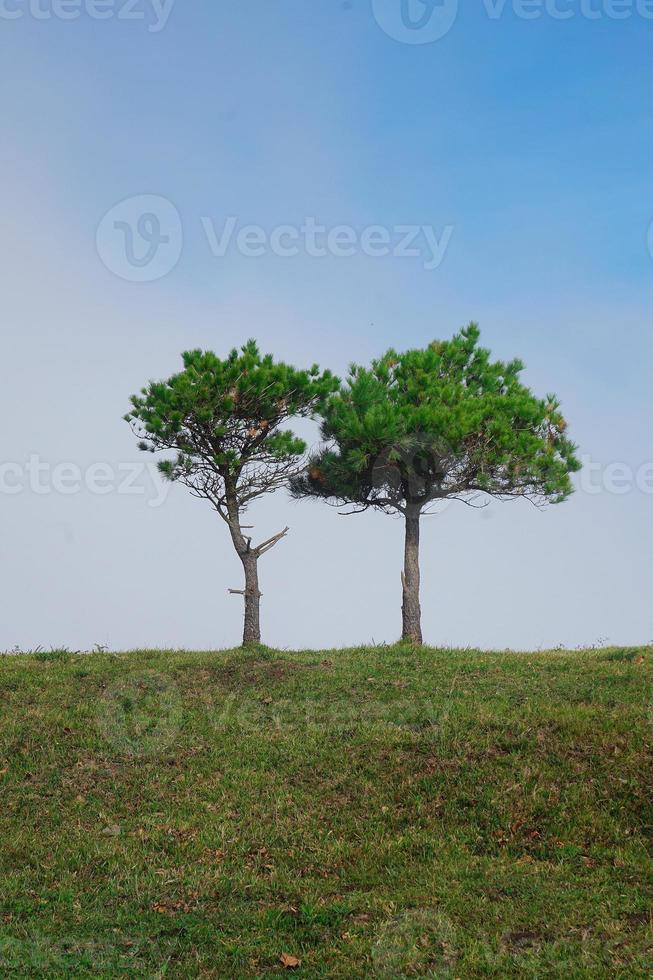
(225, 420)
(434, 424)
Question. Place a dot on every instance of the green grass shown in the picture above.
(371, 812)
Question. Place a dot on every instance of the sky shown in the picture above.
(332, 178)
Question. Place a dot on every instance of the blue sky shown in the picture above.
(531, 140)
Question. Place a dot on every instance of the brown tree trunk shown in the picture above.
(249, 557)
(252, 625)
(411, 612)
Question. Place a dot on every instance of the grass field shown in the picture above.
(368, 812)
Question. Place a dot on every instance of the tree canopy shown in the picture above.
(226, 420)
(445, 421)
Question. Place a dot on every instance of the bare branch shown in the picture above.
(270, 543)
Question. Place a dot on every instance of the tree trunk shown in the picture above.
(249, 557)
(411, 612)
(252, 626)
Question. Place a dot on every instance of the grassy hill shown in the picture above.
(369, 812)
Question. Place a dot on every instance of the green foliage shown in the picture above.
(225, 420)
(446, 421)
(54, 653)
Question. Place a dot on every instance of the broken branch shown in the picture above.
(270, 543)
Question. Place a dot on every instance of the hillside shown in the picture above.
(368, 812)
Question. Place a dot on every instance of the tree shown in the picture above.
(425, 425)
(225, 420)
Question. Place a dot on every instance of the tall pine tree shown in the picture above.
(428, 425)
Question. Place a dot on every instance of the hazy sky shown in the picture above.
(515, 150)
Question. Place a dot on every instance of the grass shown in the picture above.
(368, 812)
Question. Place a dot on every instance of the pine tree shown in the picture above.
(225, 420)
(427, 425)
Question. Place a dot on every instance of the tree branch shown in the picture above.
(270, 543)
